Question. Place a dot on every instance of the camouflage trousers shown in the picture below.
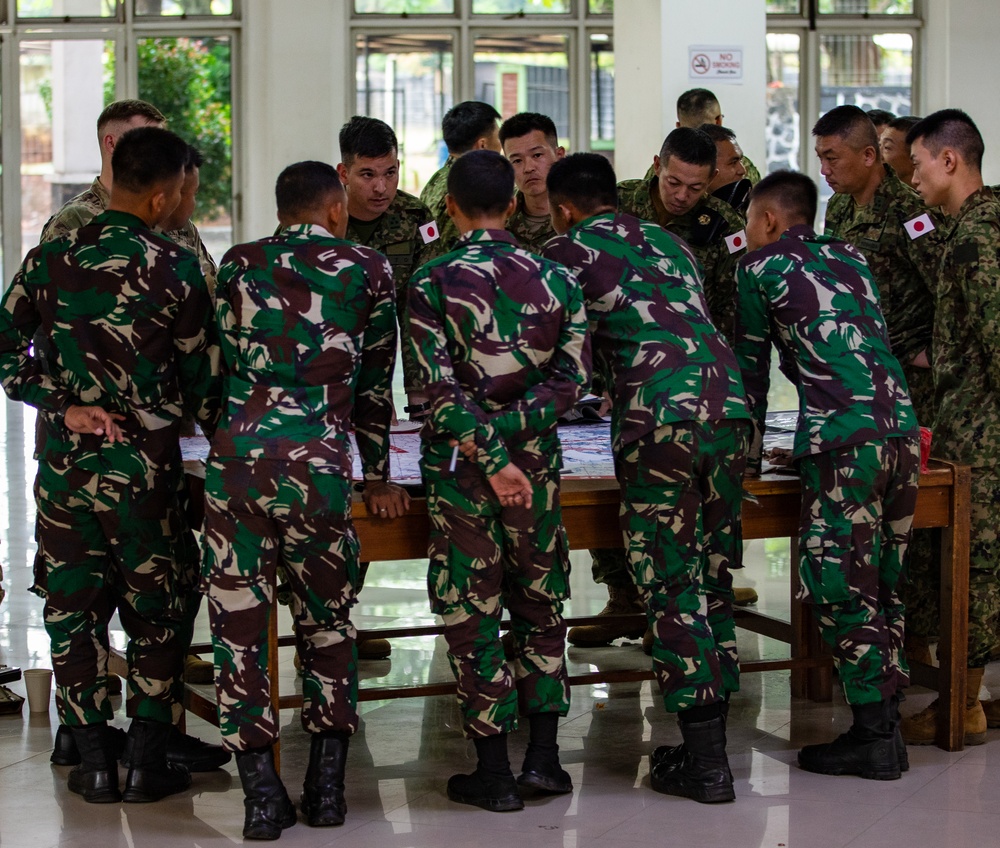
(482, 558)
(682, 491)
(854, 528)
(257, 513)
(110, 541)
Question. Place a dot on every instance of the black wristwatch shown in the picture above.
(418, 408)
(60, 413)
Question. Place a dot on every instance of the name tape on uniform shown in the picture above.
(737, 241)
(919, 226)
(429, 232)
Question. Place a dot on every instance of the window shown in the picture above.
(187, 8)
(67, 9)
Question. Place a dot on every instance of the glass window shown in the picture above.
(190, 81)
(406, 81)
(783, 133)
(602, 94)
(520, 7)
(63, 86)
(525, 73)
(189, 8)
(601, 7)
(863, 7)
(67, 8)
(784, 7)
(409, 7)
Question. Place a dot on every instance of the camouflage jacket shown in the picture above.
(130, 327)
(76, 212)
(753, 174)
(967, 335)
(653, 339)
(308, 330)
(500, 338)
(433, 198)
(397, 236)
(815, 299)
(903, 267)
(531, 233)
(705, 229)
(189, 238)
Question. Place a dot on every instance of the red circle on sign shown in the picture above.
(700, 63)
(918, 225)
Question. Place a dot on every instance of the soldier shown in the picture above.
(889, 223)
(675, 198)
(679, 435)
(497, 384)
(895, 150)
(947, 151)
(880, 118)
(117, 119)
(131, 345)
(182, 230)
(309, 340)
(469, 125)
(856, 449)
(531, 144)
(730, 182)
(700, 106)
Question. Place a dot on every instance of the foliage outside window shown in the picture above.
(520, 7)
(192, 8)
(67, 8)
(866, 7)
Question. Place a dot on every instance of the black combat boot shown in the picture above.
(150, 776)
(66, 753)
(323, 790)
(867, 749)
(193, 754)
(492, 785)
(892, 719)
(703, 774)
(269, 810)
(541, 770)
(672, 756)
(96, 777)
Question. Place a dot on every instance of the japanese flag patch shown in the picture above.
(919, 226)
(429, 232)
(737, 241)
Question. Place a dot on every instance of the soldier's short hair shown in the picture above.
(904, 123)
(366, 137)
(481, 182)
(147, 156)
(305, 186)
(692, 147)
(697, 106)
(881, 118)
(525, 122)
(125, 110)
(718, 133)
(850, 124)
(467, 122)
(950, 128)
(195, 159)
(587, 180)
(792, 191)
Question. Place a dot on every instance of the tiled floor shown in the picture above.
(406, 749)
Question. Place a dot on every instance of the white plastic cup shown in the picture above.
(38, 683)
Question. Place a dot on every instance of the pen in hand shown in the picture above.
(454, 460)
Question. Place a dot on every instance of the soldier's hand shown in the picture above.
(511, 486)
(468, 448)
(386, 500)
(94, 420)
(781, 457)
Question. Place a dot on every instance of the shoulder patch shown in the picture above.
(429, 232)
(967, 253)
(919, 226)
(707, 227)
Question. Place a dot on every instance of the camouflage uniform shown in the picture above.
(903, 268)
(502, 378)
(678, 442)
(130, 328)
(753, 174)
(189, 238)
(77, 212)
(966, 373)
(531, 232)
(433, 198)
(397, 236)
(855, 444)
(309, 340)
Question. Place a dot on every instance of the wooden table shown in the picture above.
(590, 513)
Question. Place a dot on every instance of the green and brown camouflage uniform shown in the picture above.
(966, 368)
(530, 231)
(679, 435)
(856, 444)
(433, 198)
(397, 236)
(129, 324)
(904, 269)
(189, 238)
(500, 339)
(308, 332)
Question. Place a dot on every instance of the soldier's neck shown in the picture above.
(867, 194)
(537, 206)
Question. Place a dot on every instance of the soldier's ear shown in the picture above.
(342, 172)
(510, 207)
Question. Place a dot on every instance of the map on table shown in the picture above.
(586, 449)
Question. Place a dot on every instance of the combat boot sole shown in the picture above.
(145, 785)
(876, 760)
(496, 796)
(703, 791)
(96, 787)
(549, 784)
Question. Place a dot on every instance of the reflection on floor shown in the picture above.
(406, 749)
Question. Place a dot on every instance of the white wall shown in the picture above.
(960, 46)
(650, 75)
(296, 94)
